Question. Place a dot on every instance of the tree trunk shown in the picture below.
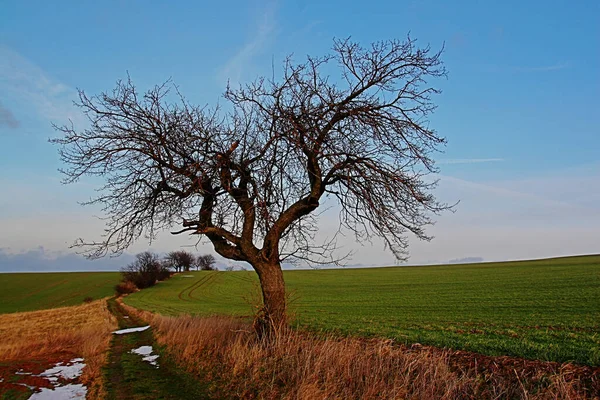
(273, 314)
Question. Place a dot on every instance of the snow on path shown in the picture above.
(66, 392)
(146, 351)
(67, 371)
(131, 330)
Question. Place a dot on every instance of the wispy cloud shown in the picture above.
(29, 86)
(504, 220)
(528, 68)
(469, 160)
(516, 194)
(41, 259)
(7, 118)
(265, 28)
(542, 68)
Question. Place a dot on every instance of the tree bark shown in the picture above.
(273, 315)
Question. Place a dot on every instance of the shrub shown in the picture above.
(164, 274)
(145, 271)
(88, 299)
(125, 287)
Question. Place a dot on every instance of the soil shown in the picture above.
(521, 371)
(17, 378)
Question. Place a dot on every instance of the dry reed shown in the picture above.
(78, 331)
(297, 365)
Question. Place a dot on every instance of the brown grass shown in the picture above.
(78, 331)
(299, 365)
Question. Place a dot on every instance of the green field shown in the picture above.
(36, 291)
(545, 309)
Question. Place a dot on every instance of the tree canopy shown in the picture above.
(205, 262)
(250, 179)
(180, 260)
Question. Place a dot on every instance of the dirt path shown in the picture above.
(128, 376)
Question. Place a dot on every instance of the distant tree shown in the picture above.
(145, 271)
(180, 260)
(205, 262)
(251, 180)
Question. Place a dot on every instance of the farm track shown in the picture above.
(129, 377)
(193, 286)
(244, 278)
(209, 279)
(202, 288)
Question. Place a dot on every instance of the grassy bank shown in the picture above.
(37, 291)
(225, 353)
(544, 309)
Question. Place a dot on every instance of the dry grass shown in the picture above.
(298, 365)
(82, 331)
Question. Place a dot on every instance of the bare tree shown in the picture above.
(180, 260)
(145, 271)
(250, 181)
(205, 262)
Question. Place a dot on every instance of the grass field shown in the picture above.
(29, 292)
(544, 309)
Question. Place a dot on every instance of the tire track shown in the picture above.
(211, 278)
(199, 282)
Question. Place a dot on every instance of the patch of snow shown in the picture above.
(131, 330)
(126, 316)
(69, 371)
(70, 391)
(26, 385)
(21, 372)
(143, 350)
(151, 359)
(146, 351)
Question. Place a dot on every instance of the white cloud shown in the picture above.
(43, 260)
(533, 217)
(469, 160)
(30, 86)
(240, 62)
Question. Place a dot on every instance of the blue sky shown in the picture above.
(519, 107)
